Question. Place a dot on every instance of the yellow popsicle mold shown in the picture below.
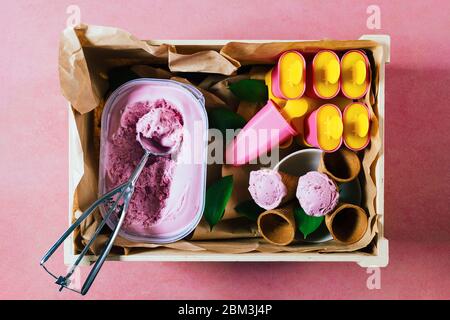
(292, 80)
(356, 126)
(327, 71)
(329, 127)
(268, 80)
(354, 74)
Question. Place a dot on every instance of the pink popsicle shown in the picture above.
(266, 130)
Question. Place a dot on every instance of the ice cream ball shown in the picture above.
(162, 124)
(317, 194)
(270, 188)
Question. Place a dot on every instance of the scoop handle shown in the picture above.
(124, 191)
(107, 248)
(67, 233)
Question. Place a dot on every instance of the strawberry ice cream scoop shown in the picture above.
(161, 128)
(317, 194)
(267, 188)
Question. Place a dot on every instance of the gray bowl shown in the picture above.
(303, 161)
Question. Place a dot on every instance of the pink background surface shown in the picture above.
(34, 161)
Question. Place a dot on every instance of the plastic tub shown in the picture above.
(185, 201)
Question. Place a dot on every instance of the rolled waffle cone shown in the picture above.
(342, 165)
(347, 223)
(291, 183)
(277, 226)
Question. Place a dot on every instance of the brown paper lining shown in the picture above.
(86, 55)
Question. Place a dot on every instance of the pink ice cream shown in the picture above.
(161, 128)
(317, 194)
(267, 188)
(162, 122)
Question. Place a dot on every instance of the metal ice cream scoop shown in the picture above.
(118, 200)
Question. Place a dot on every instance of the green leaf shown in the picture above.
(249, 209)
(223, 118)
(305, 223)
(250, 90)
(217, 196)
